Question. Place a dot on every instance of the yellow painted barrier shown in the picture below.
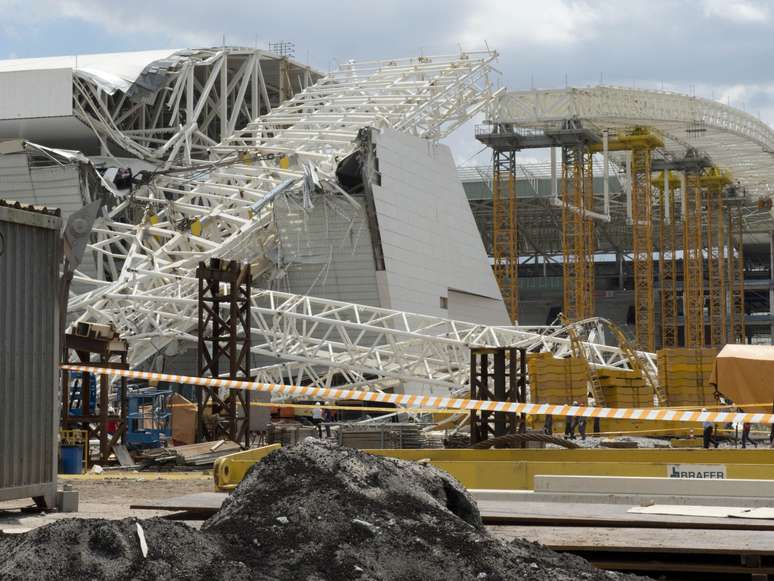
(516, 469)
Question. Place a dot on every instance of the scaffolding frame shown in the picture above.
(693, 263)
(667, 256)
(505, 245)
(642, 248)
(224, 337)
(736, 325)
(577, 233)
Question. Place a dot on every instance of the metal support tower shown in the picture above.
(667, 256)
(95, 344)
(736, 325)
(223, 337)
(642, 248)
(715, 266)
(577, 233)
(505, 250)
(497, 375)
(693, 263)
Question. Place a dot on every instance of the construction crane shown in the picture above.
(505, 251)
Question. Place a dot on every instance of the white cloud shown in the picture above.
(550, 22)
(736, 10)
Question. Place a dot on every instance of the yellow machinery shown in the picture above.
(515, 469)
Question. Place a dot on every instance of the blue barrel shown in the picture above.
(72, 459)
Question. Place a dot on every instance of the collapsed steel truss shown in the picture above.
(149, 243)
(182, 105)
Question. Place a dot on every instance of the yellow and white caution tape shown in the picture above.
(443, 403)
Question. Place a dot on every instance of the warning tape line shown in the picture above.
(413, 410)
(436, 402)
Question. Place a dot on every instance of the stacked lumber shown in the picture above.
(684, 374)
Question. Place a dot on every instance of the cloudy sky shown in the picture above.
(721, 49)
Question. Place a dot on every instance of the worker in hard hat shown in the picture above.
(709, 429)
(317, 415)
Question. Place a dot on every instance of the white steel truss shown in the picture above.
(149, 242)
(182, 105)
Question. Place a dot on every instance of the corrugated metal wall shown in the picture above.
(29, 257)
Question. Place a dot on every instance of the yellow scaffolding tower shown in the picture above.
(667, 257)
(736, 325)
(693, 263)
(578, 237)
(505, 249)
(641, 141)
(642, 249)
(714, 182)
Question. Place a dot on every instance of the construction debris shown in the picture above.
(202, 454)
(314, 511)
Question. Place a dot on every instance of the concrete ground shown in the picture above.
(108, 495)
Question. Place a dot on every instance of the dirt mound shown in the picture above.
(110, 550)
(313, 512)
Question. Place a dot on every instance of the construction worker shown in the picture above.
(570, 423)
(709, 428)
(317, 415)
(746, 427)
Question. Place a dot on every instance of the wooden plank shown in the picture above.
(660, 566)
(601, 515)
(200, 502)
(642, 540)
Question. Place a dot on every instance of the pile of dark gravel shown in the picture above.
(312, 512)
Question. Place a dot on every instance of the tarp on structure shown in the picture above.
(745, 373)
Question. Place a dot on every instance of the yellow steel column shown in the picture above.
(577, 233)
(505, 248)
(589, 240)
(667, 256)
(642, 249)
(714, 181)
(693, 258)
(736, 275)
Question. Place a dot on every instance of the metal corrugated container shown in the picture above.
(29, 351)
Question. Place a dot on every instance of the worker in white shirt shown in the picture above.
(317, 416)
